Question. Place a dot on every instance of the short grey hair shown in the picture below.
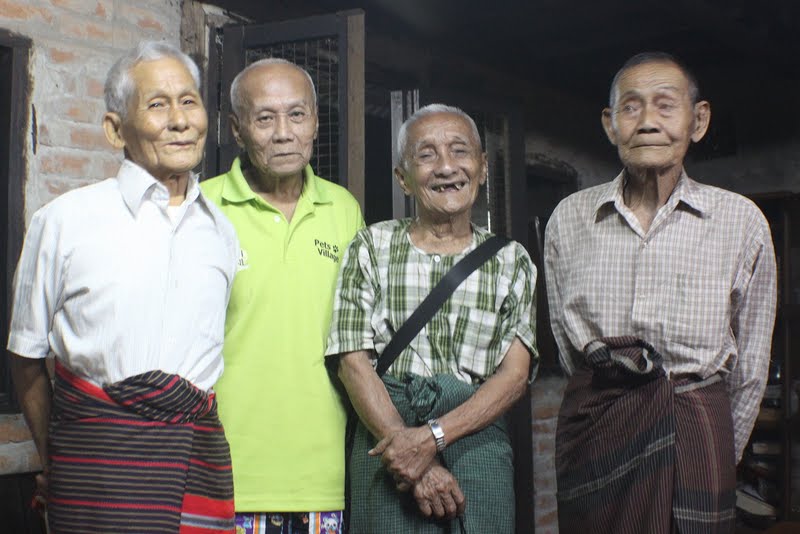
(119, 86)
(430, 109)
(237, 96)
(655, 57)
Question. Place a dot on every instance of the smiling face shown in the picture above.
(164, 131)
(653, 119)
(278, 123)
(443, 167)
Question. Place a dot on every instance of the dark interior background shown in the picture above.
(557, 58)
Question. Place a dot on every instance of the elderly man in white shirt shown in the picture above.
(126, 283)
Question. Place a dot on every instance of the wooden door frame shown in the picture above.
(348, 27)
(15, 169)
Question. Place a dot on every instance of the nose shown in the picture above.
(177, 119)
(648, 120)
(282, 131)
(444, 164)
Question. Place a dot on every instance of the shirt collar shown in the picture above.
(236, 189)
(686, 191)
(136, 185)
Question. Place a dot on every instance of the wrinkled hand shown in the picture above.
(439, 494)
(407, 453)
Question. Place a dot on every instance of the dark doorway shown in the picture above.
(5, 138)
(14, 104)
(16, 490)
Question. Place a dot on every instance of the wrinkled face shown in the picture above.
(653, 119)
(444, 166)
(279, 120)
(165, 129)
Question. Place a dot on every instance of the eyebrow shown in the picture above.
(292, 104)
(160, 93)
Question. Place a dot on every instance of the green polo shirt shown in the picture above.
(283, 418)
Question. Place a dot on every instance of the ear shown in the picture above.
(112, 127)
(608, 125)
(316, 127)
(484, 169)
(401, 180)
(702, 117)
(237, 135)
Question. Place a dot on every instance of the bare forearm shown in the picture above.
(32, 385)
(494, 398)
(368, 395)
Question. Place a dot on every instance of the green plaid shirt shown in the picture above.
(383, 279)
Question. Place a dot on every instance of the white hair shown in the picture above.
(237, 98)
(119, 86)
(430, 109)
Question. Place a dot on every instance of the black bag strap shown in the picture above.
(436, 298)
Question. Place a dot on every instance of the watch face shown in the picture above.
(438, 434)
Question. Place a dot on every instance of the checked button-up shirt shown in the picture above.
(699, 285)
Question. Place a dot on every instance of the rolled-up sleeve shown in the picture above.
(520, 309)
(38, 287)
(354, 300)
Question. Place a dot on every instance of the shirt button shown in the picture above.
(277, 218)
(437, 258)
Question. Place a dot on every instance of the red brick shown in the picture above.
(88, 137)
(78, 109)
(149, 23)
(61, 56)
(546, 446)
(110, 168)
(94, 87)
(20, 11)
(13, 429)
(545, 484)
(59, 187)
(78, 27)
(545, 410)
(549, 519)
(43, 135)
(65, 165)
(99, 8)
(544, 426)
(97, 32)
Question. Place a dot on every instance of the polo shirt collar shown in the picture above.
(136, 184)
(686, 191)
(236, 189)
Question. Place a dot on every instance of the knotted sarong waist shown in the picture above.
(147, 454)
(640, 452)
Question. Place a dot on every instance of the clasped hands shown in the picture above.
(409, 454)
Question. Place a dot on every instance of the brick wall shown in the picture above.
(546, 395)
(74, 44)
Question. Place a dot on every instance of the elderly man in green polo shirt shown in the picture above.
(283, 417)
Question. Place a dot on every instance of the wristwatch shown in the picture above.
(438, 434)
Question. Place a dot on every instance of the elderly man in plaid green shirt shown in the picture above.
(431, 452)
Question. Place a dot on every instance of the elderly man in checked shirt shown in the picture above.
(662, 299)
(461, 374)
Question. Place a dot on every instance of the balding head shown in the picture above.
(267, 67)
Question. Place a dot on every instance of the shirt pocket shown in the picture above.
(478, 339)
(699, 310)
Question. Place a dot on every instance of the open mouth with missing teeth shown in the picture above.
(443, 188)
